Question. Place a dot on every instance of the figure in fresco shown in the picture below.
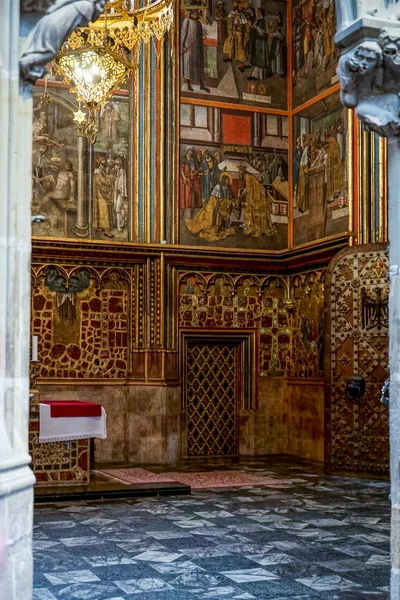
(314, 51)
(297, 154)
(61, 193)
(190, 186)
(120, 193)
(333, 169)
(239, 28)
(252, 18)
(192, 53)
(281, 168)
(39, 131)
(66, 295)
(267, 172)
(309, 28)
(103, 198)
(302, 185)
(278, 47)
(212, 222)
(258, 205)
(218, 157)
(40, 161)
(221, 18)
(109, 118)
(259, 56)
(320, 49)
(209, 175)
(298, 50)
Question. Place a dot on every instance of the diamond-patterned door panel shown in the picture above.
(211, 399)
(357, 328)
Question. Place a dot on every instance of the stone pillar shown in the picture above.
(394, 360)
(82, 226)
(16, 477)
(369, 38)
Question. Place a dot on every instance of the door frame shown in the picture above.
(246, 341)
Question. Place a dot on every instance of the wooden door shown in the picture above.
(357, 289)
(211, 390)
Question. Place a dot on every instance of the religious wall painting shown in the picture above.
(314, 54)
(83, 190)
(235, 51)
(81, 319)
(321, 171)
(233, 178)
(307, 320)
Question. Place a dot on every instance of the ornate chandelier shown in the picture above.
(96, 60)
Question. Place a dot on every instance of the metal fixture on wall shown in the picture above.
(96, 60)
(355, 387)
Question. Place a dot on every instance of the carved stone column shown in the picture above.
(369, 71)
(82, 225)
(16, 478)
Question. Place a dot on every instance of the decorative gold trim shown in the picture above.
(365, 182)
(382, 189)
(350, 143)
(161, 125)
(372, 192)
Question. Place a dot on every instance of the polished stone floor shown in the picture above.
(317, 537)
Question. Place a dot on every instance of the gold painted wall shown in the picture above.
(197, 253)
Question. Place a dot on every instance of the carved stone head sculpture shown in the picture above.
(51, 32)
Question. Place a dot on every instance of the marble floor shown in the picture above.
(317, 537)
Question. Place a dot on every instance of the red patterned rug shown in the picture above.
(202, 480)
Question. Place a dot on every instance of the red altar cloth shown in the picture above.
(72, 408)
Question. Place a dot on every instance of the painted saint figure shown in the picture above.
(239, 28)
(192, 52)
(103, 199)
(221, 17)
(109, 118)
(258, 205)
(210, 175)
(190, 187)
(212, 222)
(61, 194)
(120, 193)
(258, 48)
(278, 47)
(39, 131)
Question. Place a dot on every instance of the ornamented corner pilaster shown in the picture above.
(369, 67)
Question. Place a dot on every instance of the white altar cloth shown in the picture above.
(62, 429)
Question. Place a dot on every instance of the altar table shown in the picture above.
(72, 424)
(61, 421)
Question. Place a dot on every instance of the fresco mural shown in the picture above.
(234, 50)
(314, 55)
(233, 179)
(321, 171)
(83, 190)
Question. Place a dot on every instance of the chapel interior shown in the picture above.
(210, 266)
